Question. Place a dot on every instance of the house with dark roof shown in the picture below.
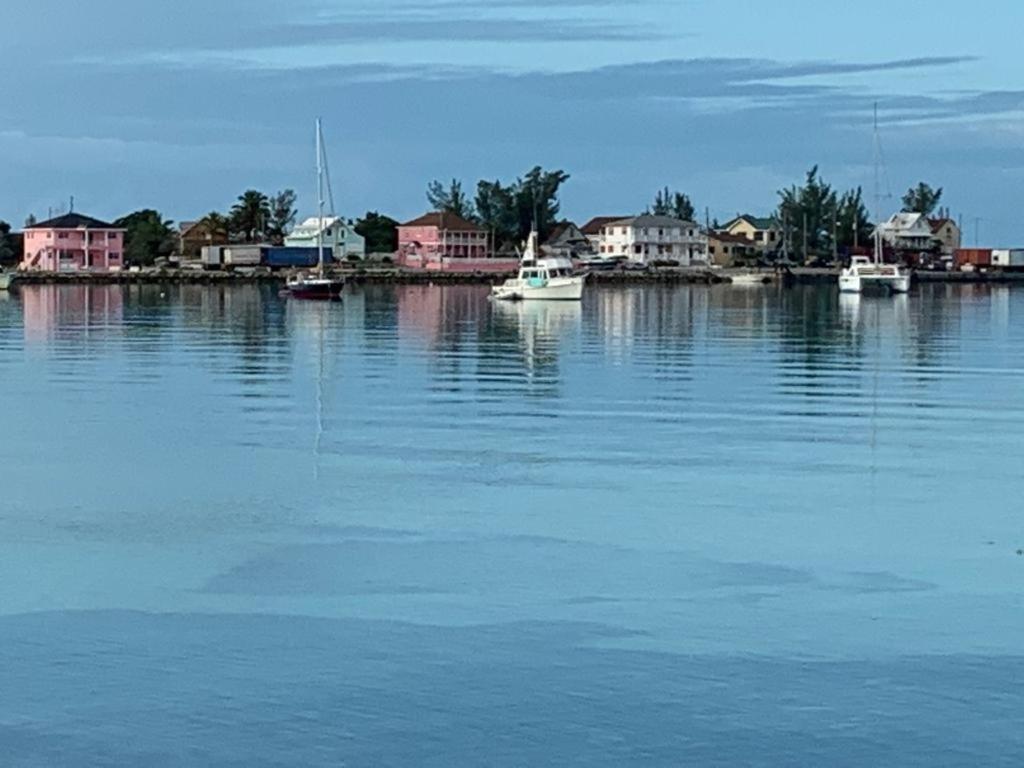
(946, 233)
(763, 231)
(442, 240)
(726, 250)
(72, 243)
(566, 240)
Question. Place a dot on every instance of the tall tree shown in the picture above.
(450, 199)
(250, 216)
(282, 215)
(676, 204)
(922, 199)
(148, 237)
(380, 232)
(30, 221)
(809, 215)
(854, 224)
(537, 201)
(6, 244)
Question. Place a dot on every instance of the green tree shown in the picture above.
(381, 232)
(282, 215)
(922, 199)
(809, 215)
(148, 236)
(450, 199)
(537, 201)
(30, 221)
(676, 204)
(250, 216)
(854, 224)
(496, 211)
(6, 244)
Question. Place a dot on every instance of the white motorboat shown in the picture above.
(750, 278)
(541, 278)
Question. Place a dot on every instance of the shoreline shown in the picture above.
(797, 275)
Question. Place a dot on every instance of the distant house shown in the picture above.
(592, 229)
(764, 232)
(72, 243)
(908, 232)
(647, 239)
(567, 240)
(946, 233)
(727, 250)
(194, 235)
(337, 234)
(434, 239)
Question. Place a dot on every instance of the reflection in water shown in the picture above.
(458, 507)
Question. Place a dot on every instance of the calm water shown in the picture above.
(708, 526)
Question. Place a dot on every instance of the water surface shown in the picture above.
(690, 525)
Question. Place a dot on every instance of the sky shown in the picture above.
(181, 105)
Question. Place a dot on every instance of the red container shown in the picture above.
(979, 257)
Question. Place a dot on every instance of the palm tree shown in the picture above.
(217, 227)
(250, 215)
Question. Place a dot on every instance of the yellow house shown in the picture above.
(764, 233)
(727, 250)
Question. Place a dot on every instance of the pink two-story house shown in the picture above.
(72, 243)
(442, 241)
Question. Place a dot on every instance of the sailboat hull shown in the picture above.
(316, 290)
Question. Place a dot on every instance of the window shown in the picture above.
(759, 237)
(62, 236)
(771, 236)
(111, 235)
(113, 256)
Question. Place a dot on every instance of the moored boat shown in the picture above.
(317, 287)
(541, 279)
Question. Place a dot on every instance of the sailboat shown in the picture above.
(864, 271)
(318, 286)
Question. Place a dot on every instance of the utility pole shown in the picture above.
(977, 229)
(805, 236)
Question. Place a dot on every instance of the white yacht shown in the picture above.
(540, 278)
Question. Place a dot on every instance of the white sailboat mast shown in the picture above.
(878, 190)
(320, 198)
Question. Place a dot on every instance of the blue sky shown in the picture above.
(182, 105)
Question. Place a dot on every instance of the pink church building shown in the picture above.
(72, 243)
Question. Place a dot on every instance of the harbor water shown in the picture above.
(674, 525)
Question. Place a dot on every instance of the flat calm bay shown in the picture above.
(674, 525)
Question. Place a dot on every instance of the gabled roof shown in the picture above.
(938, 224)
(446, 221)
(565, 230)
(596, 224)
(757, 222)
(908, 222)
(73, 221)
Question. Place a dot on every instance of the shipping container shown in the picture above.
(1000, 257)
(243, 255)
(1017, 258)
(212, 256)
(976, 257)
(287, 257)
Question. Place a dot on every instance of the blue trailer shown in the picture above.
(284, 257)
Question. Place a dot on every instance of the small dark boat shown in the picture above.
(315, 288)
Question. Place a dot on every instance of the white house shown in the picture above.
(338, 235)
(648, 239)
(908, 232)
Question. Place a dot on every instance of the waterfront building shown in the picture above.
(567, 241)
(593, 228)
(72, 243)
(908, 232)
(445, 241)
(193, 236)
(946, 235)
(647, 239)
(338, 234)
(763, 231)
(728, 250)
